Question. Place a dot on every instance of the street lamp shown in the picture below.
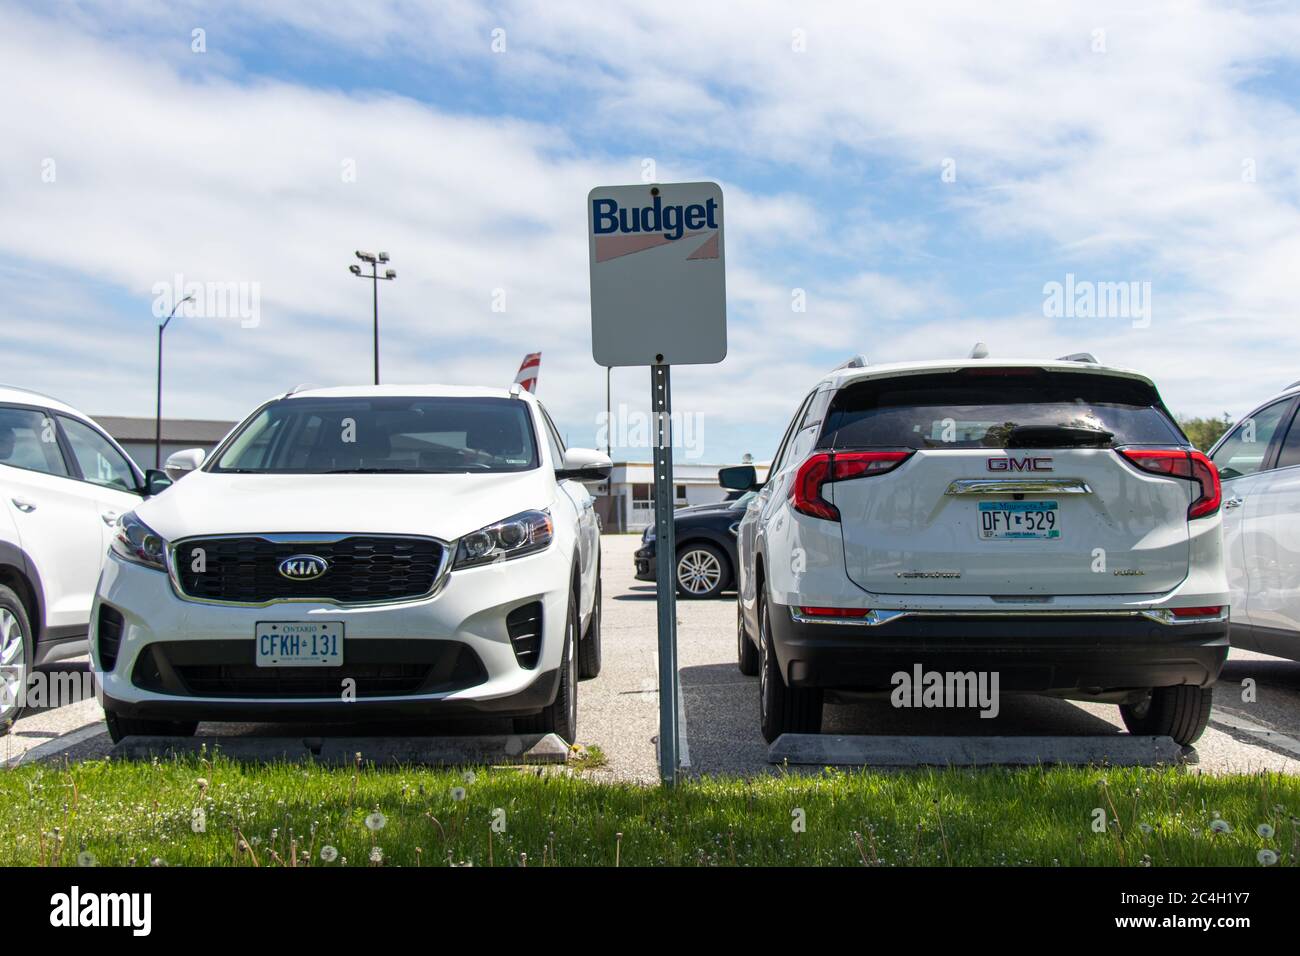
(375, 260)
(157, 424)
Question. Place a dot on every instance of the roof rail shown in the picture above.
(1287, 389)
(301, 386)
(1079, 357)
(858, 361)
(979, 351)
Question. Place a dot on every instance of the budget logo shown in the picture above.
(623, 230)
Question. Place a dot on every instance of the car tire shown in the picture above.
(561, 715)
(120, 727)
(16, 649)
(782, 709)
(1180, 712)
(589, 646)
(746, 652)
(700, 572)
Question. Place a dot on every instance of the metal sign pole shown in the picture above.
(665, 566)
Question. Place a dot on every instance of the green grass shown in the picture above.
(135, 813)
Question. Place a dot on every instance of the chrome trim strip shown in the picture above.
(1019, 486)
(877, 617)
(444, 566)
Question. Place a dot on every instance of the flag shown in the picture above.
(527, 376)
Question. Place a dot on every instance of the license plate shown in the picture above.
(1018, 519)
(296, 644)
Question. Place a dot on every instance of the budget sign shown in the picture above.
(658, 281)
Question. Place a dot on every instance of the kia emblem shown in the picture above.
(303, 567)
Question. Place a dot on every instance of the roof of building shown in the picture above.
(198, 430)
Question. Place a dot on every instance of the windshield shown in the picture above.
(383, 435)
(1026, 409)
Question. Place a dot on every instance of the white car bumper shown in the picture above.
(447, 654)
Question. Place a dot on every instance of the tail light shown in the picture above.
(825, 467)
(1188, 465)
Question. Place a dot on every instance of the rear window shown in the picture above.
(984, 409)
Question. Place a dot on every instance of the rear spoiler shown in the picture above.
(1079, 357)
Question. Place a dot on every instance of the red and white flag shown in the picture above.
(527, 376)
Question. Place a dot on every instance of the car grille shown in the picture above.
(362, 569)
(388, 667)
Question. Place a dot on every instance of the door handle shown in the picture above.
(1234, 502)
(110, 517)
(23, 505)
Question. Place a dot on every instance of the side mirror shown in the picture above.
(584, 464)
(155, 482)
(739, 478)
(181, 463)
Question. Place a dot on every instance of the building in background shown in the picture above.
(626, 501)
(136, 435)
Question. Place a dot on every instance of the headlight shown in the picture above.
(135, 541)
(648, 535)
(524, 533)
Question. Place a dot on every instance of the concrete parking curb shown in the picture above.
(342, 751)
(896, 751)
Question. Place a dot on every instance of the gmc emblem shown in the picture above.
(1020, 464)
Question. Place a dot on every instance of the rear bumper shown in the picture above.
(1032, 654)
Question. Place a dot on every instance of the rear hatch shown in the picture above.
(1013, 485)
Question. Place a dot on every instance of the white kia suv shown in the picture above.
(349, 553)
(64, 483)
(1044, 521)
(1259, 463)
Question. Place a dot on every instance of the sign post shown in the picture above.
(658, 298)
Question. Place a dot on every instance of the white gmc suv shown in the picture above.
(1046, 522)
(349, 553)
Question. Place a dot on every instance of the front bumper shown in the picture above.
(644, 560)
(1032, 654)
(449, 654)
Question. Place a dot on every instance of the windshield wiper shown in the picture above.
(373, 471)
(1058, 436)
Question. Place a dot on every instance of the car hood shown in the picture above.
(704, 509)
(444, 506)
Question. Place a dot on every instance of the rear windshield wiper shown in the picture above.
(1058, 436)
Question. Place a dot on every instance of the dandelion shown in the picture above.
(468, 776)
(1265, 831)
(376, 821)
(329, 853)
(86, 858)
(1219, 825)
(458, 794)
(376, 855)
(1146, 828)
(1266, 857)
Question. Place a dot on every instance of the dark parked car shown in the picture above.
(706, 548)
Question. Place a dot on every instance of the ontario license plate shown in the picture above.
(297, 644)
(1018, 519)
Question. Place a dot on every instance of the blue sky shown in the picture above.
(919, 172)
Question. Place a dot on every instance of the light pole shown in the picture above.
(157, 423)
(374, 277)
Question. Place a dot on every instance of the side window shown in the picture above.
(552, 436)
(810, 426)
(783, 452)
(1245, 451)
(100, 462)
(28, 439)
(1289, 455)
